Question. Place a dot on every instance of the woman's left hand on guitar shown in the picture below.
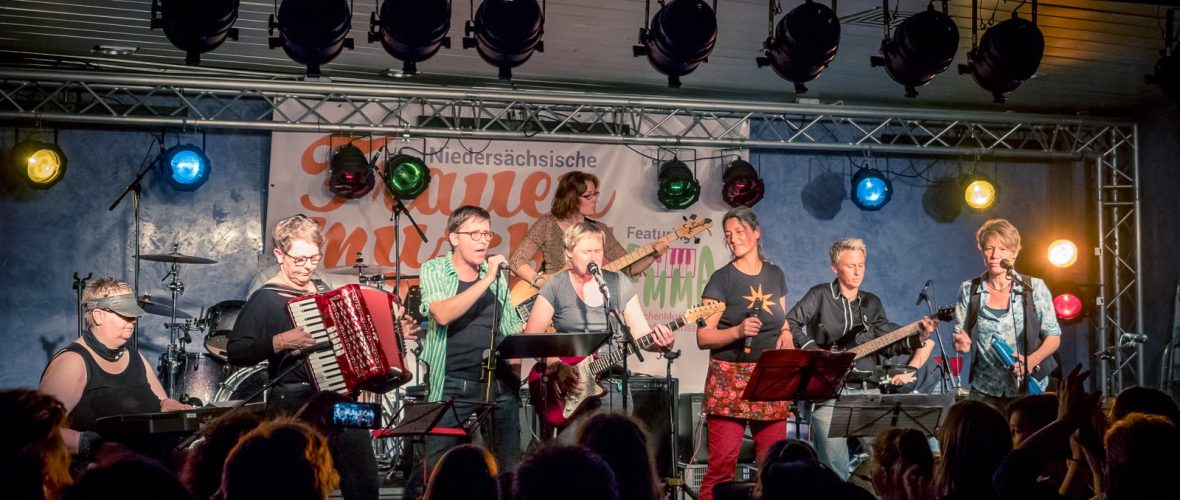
(663, 337)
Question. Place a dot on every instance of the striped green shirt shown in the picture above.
(439, 282)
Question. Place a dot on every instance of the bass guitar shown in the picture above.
(523, 294)
(556, 407)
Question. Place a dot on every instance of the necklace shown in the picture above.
(999, 289)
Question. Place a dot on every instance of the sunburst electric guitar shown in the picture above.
(556, 406)
(523, 294)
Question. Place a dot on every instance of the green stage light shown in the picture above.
(679, 188)
(406, 176)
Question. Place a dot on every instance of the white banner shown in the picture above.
(515, 182)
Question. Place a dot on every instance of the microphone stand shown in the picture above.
(79, 286)
(1022, 339)
(946, 362)
(136, 190)
(628, 339)
(398, 209)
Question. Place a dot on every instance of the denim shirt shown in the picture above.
(989, 375)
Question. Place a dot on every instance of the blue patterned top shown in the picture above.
(989, 375)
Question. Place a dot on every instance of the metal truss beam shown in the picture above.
(80, 97)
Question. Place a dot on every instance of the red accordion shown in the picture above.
(367, 347)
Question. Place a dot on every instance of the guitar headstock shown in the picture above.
(699, 313)
(945, 314)
(692, 226)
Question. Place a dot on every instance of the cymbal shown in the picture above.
(359, 269)
(161, 307)
(176, 258)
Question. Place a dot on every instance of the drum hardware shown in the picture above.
(178, 333)
(175, 257)
(160, 307)
(79, 285)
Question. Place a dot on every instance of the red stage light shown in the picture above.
(1068, 306)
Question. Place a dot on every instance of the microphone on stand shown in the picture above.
(922, 295)
(593, 269)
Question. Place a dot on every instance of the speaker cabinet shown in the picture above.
(692, 435)
(651, 404)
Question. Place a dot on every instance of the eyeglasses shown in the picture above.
(589, 195)
(478, 235)
(302, 261)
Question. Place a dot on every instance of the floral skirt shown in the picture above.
(723, 394)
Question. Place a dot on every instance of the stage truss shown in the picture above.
(1109, 147)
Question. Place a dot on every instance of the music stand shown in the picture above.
(798, 375)
(544, 345)
(869, 414)
(419, 420)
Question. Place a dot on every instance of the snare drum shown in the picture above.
(218, 322)
(243, 383)
(198, 377)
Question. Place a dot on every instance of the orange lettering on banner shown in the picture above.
(308, 162)
(474, 185)
(535, 189)
(341, 251)
(503, 182)
(411, 245)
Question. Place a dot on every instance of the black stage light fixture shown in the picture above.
(680, 37)
(312, 32)
(1008, 54)
(1167, 69)
(350, 175)
(186, 166)
(412, 30)
(39, 164)
(678, 187)
(406, 176)
(741, 185)
(922, 47)
(506, 33)
(196, 26)
(803, 43)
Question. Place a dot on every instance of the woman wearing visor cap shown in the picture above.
(99, 375)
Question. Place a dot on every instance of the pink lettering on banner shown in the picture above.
(677, 258)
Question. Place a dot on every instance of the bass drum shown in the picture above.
(242, 384)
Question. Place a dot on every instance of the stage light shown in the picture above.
(195, 26)
(412, 30)
(741, 185)
(1008, 54)
(186, 166)
(979, 191)
(681, 36)
(804, 43)
(922, 47)
(40, 164)
(870, 189)
(1063, 253)
(312, 32)
(678, 187)
(350, 173)
(406, 176)
(1067, 306)
(507, 32)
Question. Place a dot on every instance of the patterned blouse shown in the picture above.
(545, 235)
(989, 375)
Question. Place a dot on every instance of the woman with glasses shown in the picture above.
(264, 332)
(575, 201)
(100, 375)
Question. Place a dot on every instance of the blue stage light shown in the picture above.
(187, 167)
(870, 189)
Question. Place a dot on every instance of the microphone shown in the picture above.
(922, 294)
(317, 347)
(503, 269)
(1136, 338)
(593, 269)
(749, 340)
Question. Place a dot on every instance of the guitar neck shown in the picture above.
(879, 343)
(639, 253)
(603, 363)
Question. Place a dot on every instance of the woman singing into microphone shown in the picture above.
(1004, 310)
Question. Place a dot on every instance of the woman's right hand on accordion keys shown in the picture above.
(295, 338)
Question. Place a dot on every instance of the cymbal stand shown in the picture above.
(176, 342)
(79, 285)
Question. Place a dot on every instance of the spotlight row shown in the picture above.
(41, 165)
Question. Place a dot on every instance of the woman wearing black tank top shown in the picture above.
(99, 375)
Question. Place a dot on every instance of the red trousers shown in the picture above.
(725, 443)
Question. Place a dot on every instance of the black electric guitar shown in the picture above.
(876, 344)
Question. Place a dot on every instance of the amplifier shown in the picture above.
(651, 404)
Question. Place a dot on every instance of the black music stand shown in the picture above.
(419, 420)
(798, 375)
(544, 345)
(869, 414)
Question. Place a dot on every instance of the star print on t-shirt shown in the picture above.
(759, 300)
